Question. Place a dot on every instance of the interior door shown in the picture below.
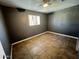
(2, 53)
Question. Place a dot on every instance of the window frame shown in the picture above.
(34, 20)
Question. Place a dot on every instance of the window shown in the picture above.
(34, 20)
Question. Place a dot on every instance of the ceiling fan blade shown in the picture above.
(50, 2)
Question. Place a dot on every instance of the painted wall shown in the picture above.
(3, 35)
(65, 21)
(18, 24)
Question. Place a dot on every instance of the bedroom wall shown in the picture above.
(3, 35)
(18, 24)
(65, 21)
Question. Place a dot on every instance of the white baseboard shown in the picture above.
(42, 34)
(77, 44)
(28, 38)
(11, 52)
(63, 35)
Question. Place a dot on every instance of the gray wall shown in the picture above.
(3, 35)
(18, 24)
(65, 21)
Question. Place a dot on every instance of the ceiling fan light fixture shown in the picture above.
(45, 5)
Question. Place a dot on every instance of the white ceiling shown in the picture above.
(35, 5)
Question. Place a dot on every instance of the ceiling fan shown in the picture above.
(46, 3)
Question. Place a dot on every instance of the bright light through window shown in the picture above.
(34, 20)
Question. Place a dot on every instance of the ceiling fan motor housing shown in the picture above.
(46, 1)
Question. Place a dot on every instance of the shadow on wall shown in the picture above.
(65, 21)
(3, 35)
(18, 23)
